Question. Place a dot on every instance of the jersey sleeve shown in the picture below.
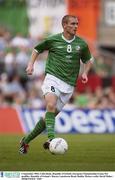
(42, 46)
(86, 55)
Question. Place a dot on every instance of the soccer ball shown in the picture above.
(58, 146)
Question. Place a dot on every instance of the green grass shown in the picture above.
(91, 152)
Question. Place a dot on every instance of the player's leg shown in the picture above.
(39, 128)
(61, 101)
(49, 121)
(51, 94)
(51, 101)
(51, 134)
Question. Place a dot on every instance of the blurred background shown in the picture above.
(23, 24)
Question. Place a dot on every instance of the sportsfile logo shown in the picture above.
(12, 175)
(1, 174)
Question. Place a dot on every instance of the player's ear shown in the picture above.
(64, 25)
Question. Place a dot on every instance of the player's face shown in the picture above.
(71, 26)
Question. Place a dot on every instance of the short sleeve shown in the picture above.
(86, 55)
(42, 46)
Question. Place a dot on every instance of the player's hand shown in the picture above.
(84, 78)
(29, 69)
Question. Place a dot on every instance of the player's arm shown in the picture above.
(30, 66)
(87, 60)
(86, 68)
(36, 51)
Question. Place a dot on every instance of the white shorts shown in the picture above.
(60, 88)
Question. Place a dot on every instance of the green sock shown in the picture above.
(50, 123)
(40, 127)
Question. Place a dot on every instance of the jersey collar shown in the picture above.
(69, 41)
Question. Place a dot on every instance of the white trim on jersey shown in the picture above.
(69, 41)
(36, 50)
(92, 59)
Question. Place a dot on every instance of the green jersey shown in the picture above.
(64, 56)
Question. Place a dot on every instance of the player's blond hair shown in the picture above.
(65, 19)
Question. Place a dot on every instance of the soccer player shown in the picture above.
(65, 51)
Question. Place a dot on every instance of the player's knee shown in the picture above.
(51, 107)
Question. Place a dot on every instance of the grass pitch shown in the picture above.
(87, 152)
